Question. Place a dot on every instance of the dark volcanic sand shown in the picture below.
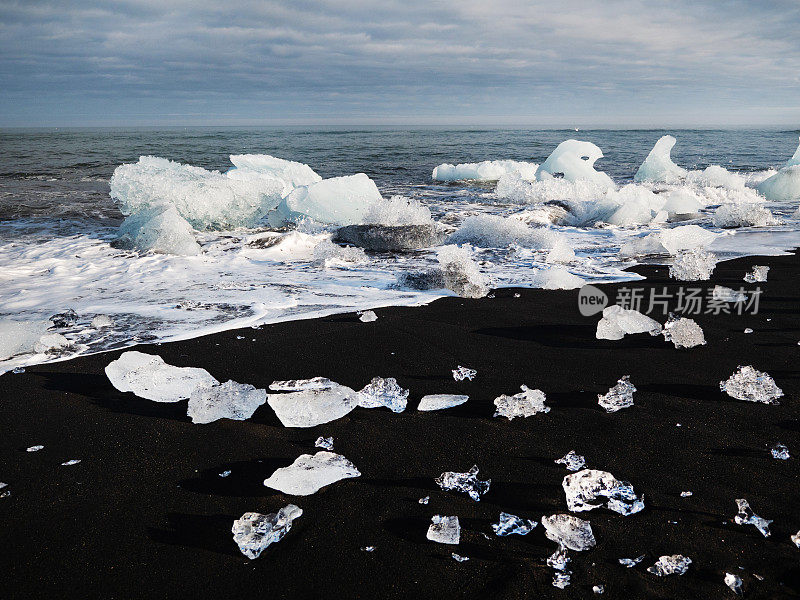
(146, 515)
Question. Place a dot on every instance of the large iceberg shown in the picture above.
(574, 160)
(658, 166)
(488, 170)
(149, 377)
(308, 473)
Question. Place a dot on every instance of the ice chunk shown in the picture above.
(743, 214)
(618, 397)
(68, 318)
(572, 460)
(795, 160)
(669, 241)
(780, 451)
(748, 330)
(784, 186)
(424, 500)
(299, 385)
(462, 373)
(598, 589)
(693, 265)
(308, 473)
(368, 548)
(683, 332)
(758, 274)
(444, 530)
(337, 201)
(102, 321)
(464, 482)
(574, 160)
(390, 238)
(569, 531)
(726, 294)
(149, 377)
(324, 442)
(658, 166)
(51, 342)
(524, 404)
(715, 176)
(459, 558)
(735, 583)
(368, 316)
(328, 254)
(226, 473)
(34, 448)
(253, 532)
(561, 579)
(70, 462)
(19, 336)
(557, 278)
(383, 392)
(631, 562)
(510, 524)
(441, 401)
(291, 174)
(229, 400)
(585, 487)
(314, 403)
(618, 321)
(461, 273)
(561, 252)
(487, 170)
(159, 229)
(676, 564)
(751, 385)
(682, 203)
(795, 539)
(398, 211)
(746, 516)
(492, 231)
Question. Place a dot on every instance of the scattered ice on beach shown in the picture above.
(795, 539)
(685, 494)
(735, 583)
(253, 532)
(73, 461)
(102, 321)
(50, 342)
(510, 524)
(229, 400)
(780, 451)
(758, 274)
(524, 404)
(598, 589)
(4, 493)
(572, 460)
(368, 316)
(676, 564)
(464, 482)
(693, 265)
(617, 322)
(424, 500)
(746, 516)
(493, 231)
(459, 558)
(631, 562)
(324, 442)
(751, 385)
(584, 488)
(461, 273)
(618, 397)
(743, 214)
(658, 166)
(368, 548)
(683, 332)
(308, 473)
(315, 402)
(149, 377)
(726, 294)
(569, 531)
(383, 392)
(444, 530)
(462, 373)
(487, 170)
(441, 401)
(34, 448)
(748, 330)
(225, 474)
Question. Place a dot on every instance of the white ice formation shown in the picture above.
(368, 316)
(618, 322)
(510, 524)
(441, 401)
(524, 404)
(464, 482)
(569, 531)
(683, 332)
(574, 160)
(693, 265)
(462, 373)
(253, 532)
(675, 564)
(589, 489)
(311, 402)
(751, 385)
(310, 472)
(383, 392)
(618, 397)
(487, 170)
(758, 274)
(746, 516)
(658, 166)
(229, 400)
(572, 460)
(149, 377)
(444, 530)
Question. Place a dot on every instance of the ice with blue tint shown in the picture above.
(253, 532)
(658, 166)
(574, 160)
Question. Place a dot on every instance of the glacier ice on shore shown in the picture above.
(589, 489)
(631, 562)
(751, 385)
(461, 273)
(291, 174)
(253, 532)
(327, 254)
(734, 582)
(675, 564)
(464, 482)
(324, 442)
(693, 265)
(314, 402)
(726, 294)
(441, 401)
(746, 516)
(50, 342)
(462, 373)
(102, 321)
(572, 460)
(556, 278)
(780, 452)
(743, 214)
(525, 404)
(783, 186)
(493, 231)
(444, 530)
(683, 332)
(308, 473)
(758, 274)
(383, 392)
(658, 166)
(20, 336)
(229, 400)
(619, 396)
(487, 170)
(158, 228)
(669, 241)
(512, 524)
(368, 316)
(575, 160)
(618, 322)
(299, 385)
(337, 201)
(149, 377)
(569, 531)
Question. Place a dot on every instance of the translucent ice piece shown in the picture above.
(160, 229)
(685, 494)
(72, 461)
(525, 404)
(631, 562)
(149, 377)
(464, 482)
(253, 532)
(462, 373)
(784, 186)
(424, 500)
(444, 530)
(618, 397)
(368, 316)
(338, 201)
(658, 166)
(487, 170)
(226, 473)
(324, 442)
(313, 404)
(572, 460)
(299, 385)
(758, 274)
(368, 548)
(229, 400)
(441, 401)
(461, 273)
(748, 330)
(34, 448)
(513, 524)
(726, 294)
(676, 564)
(102, 321)
(584, 488)
(744, 214)
(51, 342)
(683, 332)
(291, 174)
(693, 265)
(459, 558)
(618, 321)
(795, 539)
(746, 516)
(327, 254)
(559, 560)
(561, 579)
(734, 582)
(751, 385)
(68, 318)
(561, 252)
(308, 473)
(780, 451)
(569, 531)
(598, 589)
(575, 161)
(383, 392)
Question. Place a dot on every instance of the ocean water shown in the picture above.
(58, 222)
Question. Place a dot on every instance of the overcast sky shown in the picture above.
(466, 62)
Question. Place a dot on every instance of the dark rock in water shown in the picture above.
(390, 237)
(66, 319)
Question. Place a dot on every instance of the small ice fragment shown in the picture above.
(758, 274)
(524, 404)
(618, 397)
(324, 442)
(50, 342)
(229, 400)
(225, 474)
(598, 589)
(584, 488)
(683, 332)
(459, 558)
(631, 562)
(748, 330)
(253, 532)
(368, 548)
(513, 524)
(746, 516)
(795, 539)
(34, 448)
(572, 460)
(318, 401)
(444, 530)
(73, 461)
(308, 473)
(368, 316)
(149, 377)
(300, 385)
(424, 500)
(780, 451)
(685, 494)
(726, 294)
(561, 252)
(462, 373)
(441, 401)
(66, 319)
(569, 531)
(559, 560)
(464, 482)
(383, 392)
(618, 322)
(561, 579)
(676, 564)
(751, 385)
(735, 583)
(692, 265)
(101, 321)
(517, 295)
(18, 370)
(5, 493)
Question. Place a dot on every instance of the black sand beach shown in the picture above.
(146, 515)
